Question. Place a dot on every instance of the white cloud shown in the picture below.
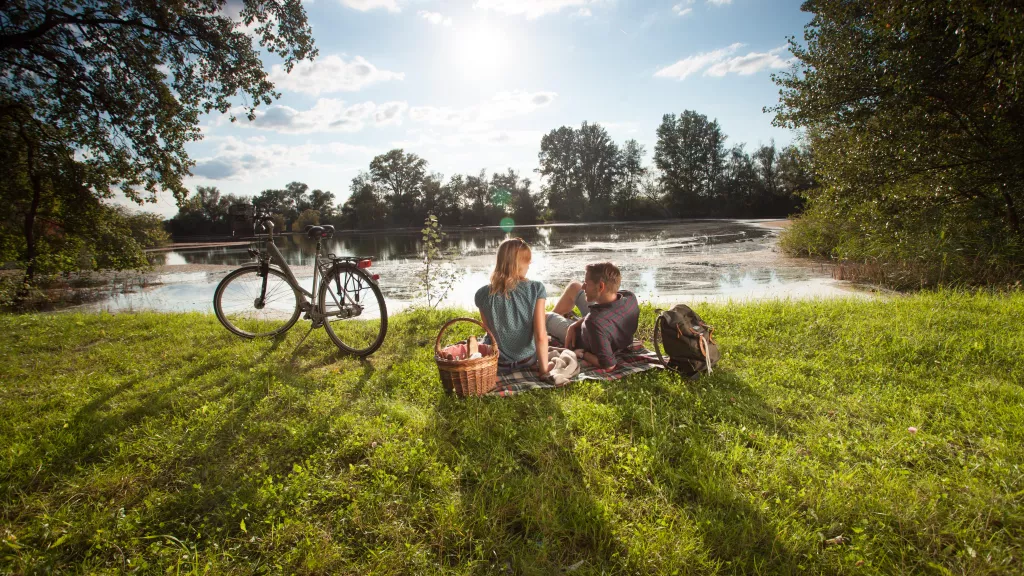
(331, 74)
(721, 62)
(531, 8)
(751, 63)
(719, 2)
(420, 139)
(435, 18)
(584, 13)
(235, 159)
(365, 5)
(682, 9)
(502, 105)
(327, 115)
(693, 64)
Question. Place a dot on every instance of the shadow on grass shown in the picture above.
(552, 481)
(688, 450)
(525, 507)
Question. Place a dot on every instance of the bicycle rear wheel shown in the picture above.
(355, 315)
(241, 310)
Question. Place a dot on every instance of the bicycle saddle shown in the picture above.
(325, 231)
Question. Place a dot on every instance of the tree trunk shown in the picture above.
(30, 216)
(1011, 212)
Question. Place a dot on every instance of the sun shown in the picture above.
(483, 51)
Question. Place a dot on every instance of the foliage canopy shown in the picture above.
(915, 114)
(124, 82)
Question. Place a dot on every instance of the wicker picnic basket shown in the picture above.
(474, 377)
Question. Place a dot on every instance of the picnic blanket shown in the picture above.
(632, 360)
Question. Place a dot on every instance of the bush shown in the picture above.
(876, 242)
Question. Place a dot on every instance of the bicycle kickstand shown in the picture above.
(306, 335)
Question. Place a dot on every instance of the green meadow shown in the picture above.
(841, 437)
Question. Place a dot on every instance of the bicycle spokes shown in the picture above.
(353, 311)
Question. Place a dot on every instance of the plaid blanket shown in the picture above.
(634, 359)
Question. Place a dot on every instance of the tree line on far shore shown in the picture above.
(585, 176)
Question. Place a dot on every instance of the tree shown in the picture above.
(561, 171)
(690, 154)
(633, 170)
(298, 200)
(205, 213)
(52, 221)
(307, 217)
(741, 187)
(287, 203)
(323, 202)
(766, 162)
(439, 273)
(399, 177)
(599, 164)
(147, 229)
(363, 209)
(520, 204)
(581, 168)
(476, 200)
(125, 82)
(440, 200)
(914, 113)
(796, 170)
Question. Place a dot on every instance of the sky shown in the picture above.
(475, 84)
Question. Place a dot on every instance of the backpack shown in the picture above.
(687, 340)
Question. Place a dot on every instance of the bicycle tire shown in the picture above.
(241, 316)
(359, 337)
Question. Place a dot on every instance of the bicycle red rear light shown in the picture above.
(375, 277)
(365, 263)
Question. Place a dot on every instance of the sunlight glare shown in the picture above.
(482, 50)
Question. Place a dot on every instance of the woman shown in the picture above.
(513, 308)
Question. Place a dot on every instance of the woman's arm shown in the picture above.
(540, 335)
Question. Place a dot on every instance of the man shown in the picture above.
(609, 316)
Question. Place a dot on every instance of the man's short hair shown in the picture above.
(605, 272)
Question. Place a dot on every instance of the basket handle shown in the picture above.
(437, 343)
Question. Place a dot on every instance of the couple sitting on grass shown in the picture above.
(513, 308)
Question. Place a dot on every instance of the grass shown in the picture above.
(159, 443)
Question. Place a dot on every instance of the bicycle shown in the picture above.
(265, 299)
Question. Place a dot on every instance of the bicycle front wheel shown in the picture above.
(353, 309)
(245, 308)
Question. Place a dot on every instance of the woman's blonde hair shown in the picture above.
(513, 257)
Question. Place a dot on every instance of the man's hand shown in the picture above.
(570, 334)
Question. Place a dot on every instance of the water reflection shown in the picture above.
(408, 244)
(661, 262)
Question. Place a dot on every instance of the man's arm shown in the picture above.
(590, 359)
(603, 355)
(571, 333)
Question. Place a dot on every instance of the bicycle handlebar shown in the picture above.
(268, 225)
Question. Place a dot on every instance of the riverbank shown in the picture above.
(834, 437)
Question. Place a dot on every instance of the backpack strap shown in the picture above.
(654, 337)
(704, 350)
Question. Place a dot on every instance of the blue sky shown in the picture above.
(474, 84)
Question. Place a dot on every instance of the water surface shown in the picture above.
(661, 262)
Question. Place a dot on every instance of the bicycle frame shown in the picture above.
(320, 266)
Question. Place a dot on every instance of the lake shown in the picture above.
(662, 262)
